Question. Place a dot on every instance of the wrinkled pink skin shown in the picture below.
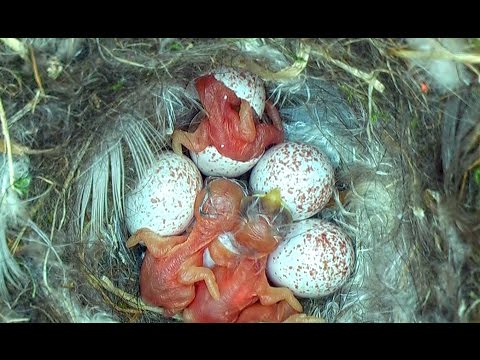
(245, 294)
(172, 265)
(231, 124)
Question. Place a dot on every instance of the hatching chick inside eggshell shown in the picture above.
(315, 259)
(164, 197)
(301, 172)
(246, 86)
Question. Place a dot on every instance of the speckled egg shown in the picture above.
(301, 172)
(246, 86)
(211, 163)
(315, 259)
(163, 198)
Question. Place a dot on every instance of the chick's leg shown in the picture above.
(196, 141)
(271, 295)
(190, 273)
(267, 313)
(274, 115)
(156, 244)
(245, 128)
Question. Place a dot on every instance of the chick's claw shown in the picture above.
(173, 265)
(196, 141)
(193, 274)
(274, 313)
(269, 295)
(156, 244)
(273, 115)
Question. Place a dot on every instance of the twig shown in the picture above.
(17, 46)
(36, 73)
(77, 162)
(369, 78)
(30, 106)
(12, 321)
(286, 73)
(120, 60)
(7, 145)
(18, 149)
(129, 299)
(472, 306)
(14, 75)
(440, 54)
(34, 209)
(465, 177)
(44, 312)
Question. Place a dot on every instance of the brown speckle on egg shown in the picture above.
(301, 172)
(211, 163)
(159, 200)
(322, 254)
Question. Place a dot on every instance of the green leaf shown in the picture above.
(476, 175)
(176, 45)
(22, 185)
(379, 115)
(414, 123)
(118, 85)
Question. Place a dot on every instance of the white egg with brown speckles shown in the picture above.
(315, 259)
(301, 172)
(211, 163)
(163, 199)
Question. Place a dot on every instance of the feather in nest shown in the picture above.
(456, 225)
(14, 216)
(134, 138)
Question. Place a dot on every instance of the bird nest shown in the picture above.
(82, 119)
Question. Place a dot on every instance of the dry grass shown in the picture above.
(113, 104)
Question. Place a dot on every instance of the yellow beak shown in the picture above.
(272, 201)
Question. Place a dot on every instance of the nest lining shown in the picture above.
(405, 159)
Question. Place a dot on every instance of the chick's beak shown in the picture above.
(272, 201)
(274, 206)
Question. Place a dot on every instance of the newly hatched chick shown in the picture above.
(231, 124)
(172, 265)
(240, 260)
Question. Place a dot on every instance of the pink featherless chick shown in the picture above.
(173, 264)
(240, 260)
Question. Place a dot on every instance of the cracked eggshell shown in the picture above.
(211, 163)
(246, 86)
(315, 259)
(301, 172)
(164, 197)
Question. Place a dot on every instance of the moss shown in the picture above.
(476, 175)
(22, 185)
